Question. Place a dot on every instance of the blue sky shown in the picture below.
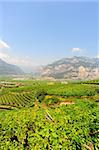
(40, 32)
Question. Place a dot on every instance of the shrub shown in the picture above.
(52, 100)
(40, 95)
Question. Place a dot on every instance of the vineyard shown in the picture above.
(16, 100)
(24, 95)
(38, 121)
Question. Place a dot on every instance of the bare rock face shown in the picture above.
(73, 68)
(83, 72)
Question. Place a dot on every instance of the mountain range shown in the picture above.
(65, 68)
(9, 69)
(72, 68)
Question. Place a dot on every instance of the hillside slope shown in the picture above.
(8, 69)
(72, 68)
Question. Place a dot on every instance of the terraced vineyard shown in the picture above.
(49, 115)
(16, 99)
(73, 90)
(24, 95)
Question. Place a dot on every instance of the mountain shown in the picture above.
(72, 68)
(8, 69)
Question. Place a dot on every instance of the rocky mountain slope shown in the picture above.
(72, 68)
(8, 69)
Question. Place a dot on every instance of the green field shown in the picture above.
(40, 115)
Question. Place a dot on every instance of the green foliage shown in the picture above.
(67, 127)
(26, 94)
(52, 100)
(40, 95)
(73, 90)
(71, 128)
(17, 99)
(92, 82)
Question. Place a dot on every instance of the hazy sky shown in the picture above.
(35, 33)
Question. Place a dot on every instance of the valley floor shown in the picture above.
(49, 115)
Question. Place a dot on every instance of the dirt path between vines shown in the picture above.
(57, 104)
(66, 103)
(7, 107)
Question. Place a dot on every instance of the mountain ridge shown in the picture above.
(9, 69)
(72, 68)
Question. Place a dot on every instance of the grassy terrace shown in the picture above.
(49, 115)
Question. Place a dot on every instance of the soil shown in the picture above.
(66, 103)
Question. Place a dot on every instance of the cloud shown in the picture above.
(4, 55)
(8, 57)
(76, 49)
(3, 45)
(20, 61)
(97, 56)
